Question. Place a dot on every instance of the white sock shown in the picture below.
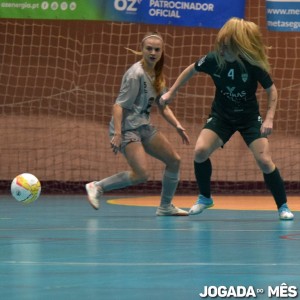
(114, 182)
(169, 185)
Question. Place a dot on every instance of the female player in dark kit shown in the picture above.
(133, 134)
(236, 66)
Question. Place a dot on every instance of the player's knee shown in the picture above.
(174, 163)
(201, 154)
(266, 164)
(140, 177)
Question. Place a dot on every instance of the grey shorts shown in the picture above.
(250, 131)
(141, 134)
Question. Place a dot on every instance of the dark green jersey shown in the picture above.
(235, 96)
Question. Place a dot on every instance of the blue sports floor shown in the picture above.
(60, 248)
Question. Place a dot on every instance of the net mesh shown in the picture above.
(59, 80)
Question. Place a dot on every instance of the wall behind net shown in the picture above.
(59, 80)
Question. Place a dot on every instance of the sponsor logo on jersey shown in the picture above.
(259, 119)
(244, 77)
(201, 61)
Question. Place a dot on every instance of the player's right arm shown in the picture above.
(186, 74)
(117, 138)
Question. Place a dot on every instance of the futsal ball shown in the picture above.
(25, 188)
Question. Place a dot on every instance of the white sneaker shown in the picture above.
(94, 194)
(284, 213)
(201, 204)
(171, 210)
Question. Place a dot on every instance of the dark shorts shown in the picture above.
(249, 131)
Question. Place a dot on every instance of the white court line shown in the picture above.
(129, 264)
(149, 229)
(120, 264)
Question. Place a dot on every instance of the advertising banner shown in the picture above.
(210, 13)
(283, 15)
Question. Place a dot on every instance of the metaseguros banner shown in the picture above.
(283, 15)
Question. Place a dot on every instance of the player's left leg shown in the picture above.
(160, 148)
(261, 151)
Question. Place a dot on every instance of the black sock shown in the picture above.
(275, 184)
(203, 173)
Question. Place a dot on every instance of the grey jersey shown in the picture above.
(136, 97)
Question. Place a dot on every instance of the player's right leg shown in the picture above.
(136, 158)
(207, 142)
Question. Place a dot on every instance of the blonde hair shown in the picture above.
(159, 82)
(244, 39)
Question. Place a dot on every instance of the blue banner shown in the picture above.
(283, 15)
(210, 14)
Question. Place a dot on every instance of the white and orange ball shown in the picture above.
(25, 188)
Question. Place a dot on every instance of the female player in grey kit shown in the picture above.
(133, 135)
(237, 65)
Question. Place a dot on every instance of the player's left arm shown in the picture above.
(272, 96)
(169, 116)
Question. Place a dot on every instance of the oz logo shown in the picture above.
(127, 5)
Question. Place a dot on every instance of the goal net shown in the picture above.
(59, 80)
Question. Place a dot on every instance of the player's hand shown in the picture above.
(181, 131)
(116, 142)
(266, 127)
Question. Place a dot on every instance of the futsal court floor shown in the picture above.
(60, 248)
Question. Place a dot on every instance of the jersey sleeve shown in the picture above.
(201, 65)
(128, 92)
(206, 63)
(263, 78)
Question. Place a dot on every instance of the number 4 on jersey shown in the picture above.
(231, 74)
